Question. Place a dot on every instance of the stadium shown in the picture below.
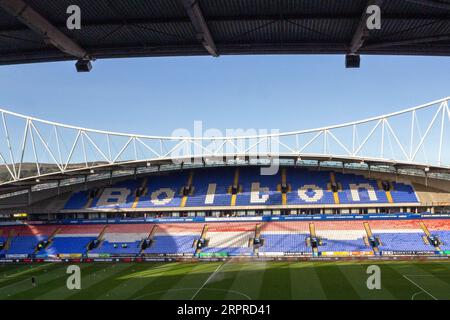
(240, 217)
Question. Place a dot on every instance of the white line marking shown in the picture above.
(419, 287)
(416, 294)
(209, 278)
(190, 289)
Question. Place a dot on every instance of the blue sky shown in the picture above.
(157, 95)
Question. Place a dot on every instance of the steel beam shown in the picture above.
(362, 33)
(201, 27)
(28, 16)
(406, 42)
(432, 4)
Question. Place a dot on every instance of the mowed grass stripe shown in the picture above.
(392, 279)
(105, 283)
(444, 264)
(248, 281)
(334, 283)
(220, 285)
(51, 290)
(46, 279)
(167, 280)
(139, 277)
(357, 276)
(89, 277)
(216, 285)
(276, 283)
(438, 270)
(135, 283)
(23, 272)
(11, 270)
(188, 286)
(432, 278)
(234, 280)
(305, 282)
(22, 283)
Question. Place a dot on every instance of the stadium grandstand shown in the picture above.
(219, 202)
(251, 215)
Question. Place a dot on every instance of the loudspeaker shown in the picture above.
(352, 60)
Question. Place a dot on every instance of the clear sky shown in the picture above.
(157, 95)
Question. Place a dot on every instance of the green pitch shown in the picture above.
(230, 280)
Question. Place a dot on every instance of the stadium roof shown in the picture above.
(35, 30)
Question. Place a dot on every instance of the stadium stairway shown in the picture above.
(189, 188)
(312, 233)
(27, 237)
(399, 236)
(234, 186)
(9, 240)
(427, 235)
(100, 238)
(284, 183)
(149, 237)
(426, 231)
(441, 229)
(49, 240)
(387, 192)
(335, 193)
(202, 237)
(370, 235)
(90, 201)
(257, 235)
(102, 233)
(137, 198)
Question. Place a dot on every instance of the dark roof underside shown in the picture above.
(129, 28)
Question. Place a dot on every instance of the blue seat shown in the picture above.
(68, 245)
(286, 242)
(172, 245)
(251, 175)
(344, 245)
(25, 244)
(222, 177)
(403, 242)
(132, 248)
(171, 184)
(444, 237)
